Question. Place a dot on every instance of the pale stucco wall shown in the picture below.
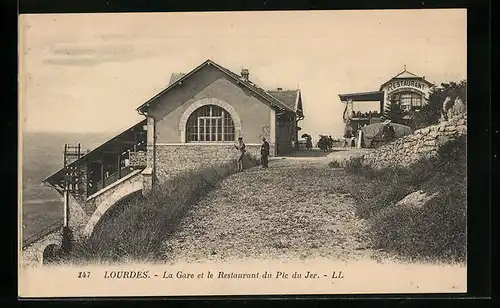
(209, 82)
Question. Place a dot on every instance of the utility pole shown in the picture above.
(71, 182)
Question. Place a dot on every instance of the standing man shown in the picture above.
(330, 143)
(241, 148)
(264, 153)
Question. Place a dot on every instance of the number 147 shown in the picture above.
(83, 274)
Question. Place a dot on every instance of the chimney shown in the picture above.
(244, 74)
(279, 89)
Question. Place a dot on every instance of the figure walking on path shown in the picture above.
(264, 153)
(241, 148)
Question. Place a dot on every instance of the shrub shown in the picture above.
(433, 231)
(135, 229)
(355, 165)
(334, 164)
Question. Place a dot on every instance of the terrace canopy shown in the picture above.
(364, 97)
(105, 164)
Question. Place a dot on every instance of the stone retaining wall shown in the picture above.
(420, 144)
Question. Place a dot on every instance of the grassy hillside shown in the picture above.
(432, 230)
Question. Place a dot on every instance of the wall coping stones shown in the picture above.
(100, 192)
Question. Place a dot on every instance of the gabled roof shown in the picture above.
(246, 83)
(291, 98)
(175, 77)
(404, 75)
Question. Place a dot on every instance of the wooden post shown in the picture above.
(65, 151)
(135, 141)
(66, 205)
(120, 165)
(66, 188)
(103, 176)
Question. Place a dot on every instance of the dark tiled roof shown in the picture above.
(175, 77)
(287, 97)
(256, 88)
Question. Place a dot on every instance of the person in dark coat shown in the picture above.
(330, 143)
(264, 153)
(309, 143)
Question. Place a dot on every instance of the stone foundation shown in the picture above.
(172, 159)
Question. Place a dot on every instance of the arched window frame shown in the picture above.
(204, 102)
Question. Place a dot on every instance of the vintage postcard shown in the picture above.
(243, 153)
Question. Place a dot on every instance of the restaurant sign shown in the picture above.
(405, 83)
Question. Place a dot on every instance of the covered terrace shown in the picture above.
(104, 165)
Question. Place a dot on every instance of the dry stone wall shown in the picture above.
(420, 144)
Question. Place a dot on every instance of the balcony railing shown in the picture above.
(366, 115)
(45, 231)
(135, 160)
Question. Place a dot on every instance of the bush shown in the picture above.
(135, 229)
(434, 231)
(431, 112)
(334, 164)
(355, 165)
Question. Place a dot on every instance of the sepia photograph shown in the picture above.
(237, 153)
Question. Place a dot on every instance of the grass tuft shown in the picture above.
(434, 231)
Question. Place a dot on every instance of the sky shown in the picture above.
(89, 72)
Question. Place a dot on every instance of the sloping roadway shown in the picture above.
(290, 210)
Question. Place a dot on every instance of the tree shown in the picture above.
(430, 113)
(395, 113)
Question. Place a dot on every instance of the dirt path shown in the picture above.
(290, 210)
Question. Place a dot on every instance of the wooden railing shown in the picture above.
(135, 160)
(45, 231)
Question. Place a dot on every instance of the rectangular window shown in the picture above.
(202, 129)
(213, 132)
(405, 101)
(416, 101)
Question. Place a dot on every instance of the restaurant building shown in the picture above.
(406, 89)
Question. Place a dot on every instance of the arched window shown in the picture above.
(408, 100)
(210, 123)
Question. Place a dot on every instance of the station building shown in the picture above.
(194, 122)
